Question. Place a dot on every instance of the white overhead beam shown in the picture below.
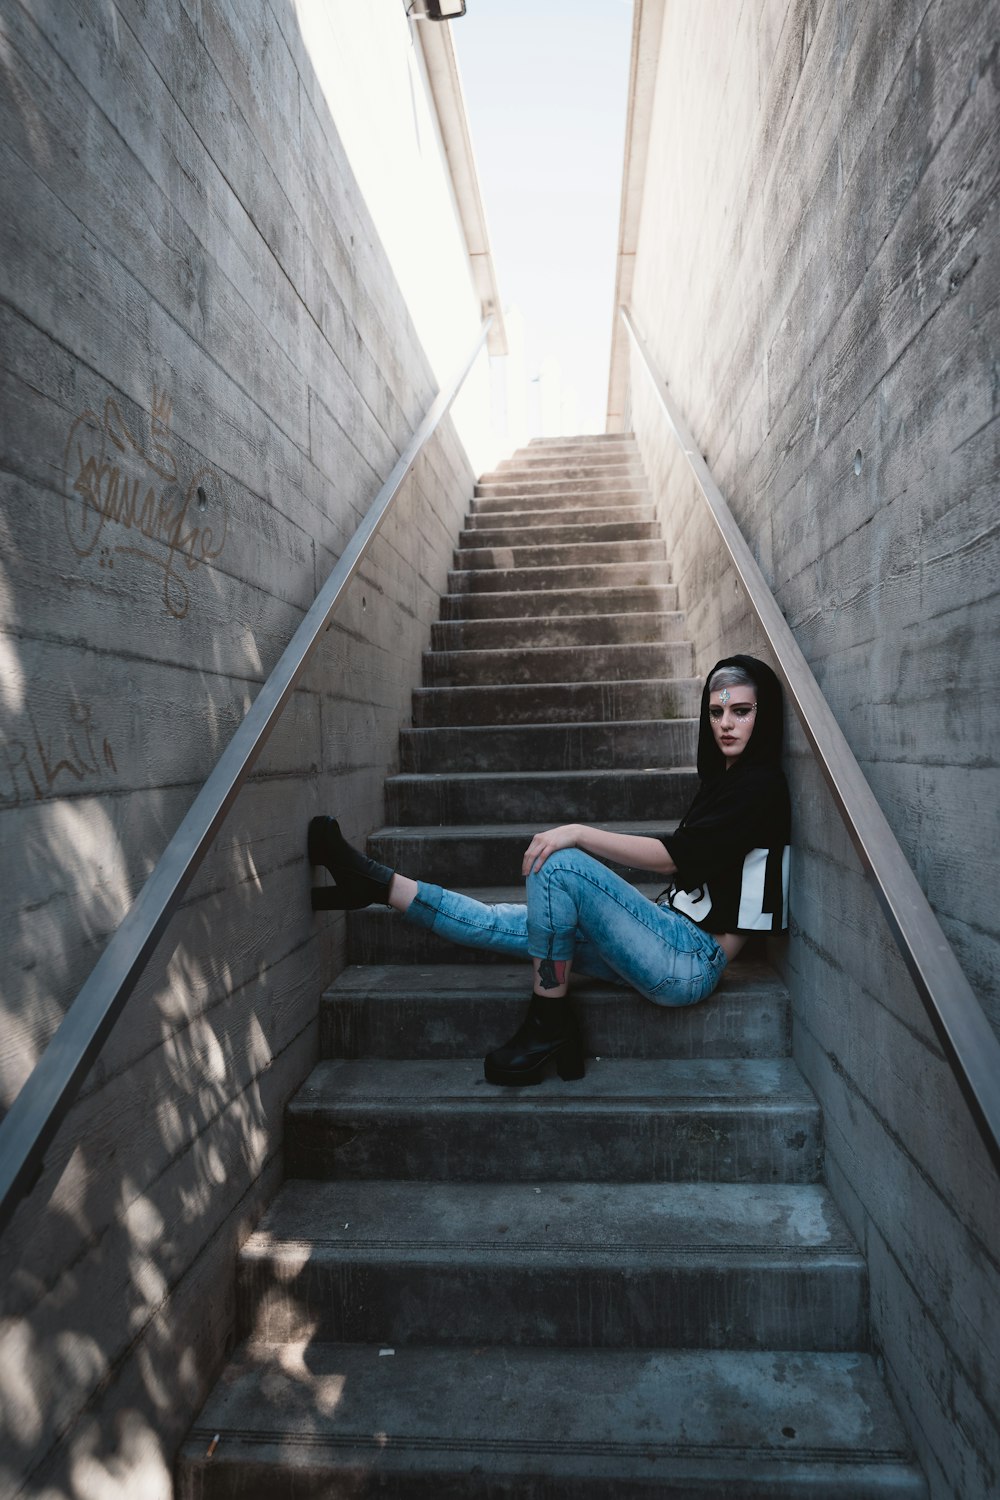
(647, 28)
(449, 103)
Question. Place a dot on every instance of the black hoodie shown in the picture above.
(731, 846)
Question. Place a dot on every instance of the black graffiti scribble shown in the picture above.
(114, 481)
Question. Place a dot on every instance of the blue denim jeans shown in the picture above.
(577, 908)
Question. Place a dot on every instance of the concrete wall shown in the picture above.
(199, 320)
(817, 274)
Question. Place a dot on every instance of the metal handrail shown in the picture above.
(46, 1097)
(968, 1040)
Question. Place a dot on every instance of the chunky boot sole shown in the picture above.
(568, 1059)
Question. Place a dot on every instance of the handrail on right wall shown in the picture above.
(963, 1030)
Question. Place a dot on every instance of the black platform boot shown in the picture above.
(549, 1033)
(360, 880)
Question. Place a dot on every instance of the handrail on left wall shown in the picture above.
(45, 1099)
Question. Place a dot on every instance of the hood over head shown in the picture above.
(764, 746)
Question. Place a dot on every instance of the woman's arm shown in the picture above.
(634, 849)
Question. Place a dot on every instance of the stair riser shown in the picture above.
(578, 631)
(558, 485)
(733, 1023)
(757, 1143)
(546, 799)
(538, 604)
(540, 579)
(548, 451)
(626, 663)
(550, 501)
(556, 703)
(572, 534)
(548, 1301)
(556, 747)
(581, 554)
(517, 522)
(567, 468)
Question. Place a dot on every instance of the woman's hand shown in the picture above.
(637, 850)
(544, 844)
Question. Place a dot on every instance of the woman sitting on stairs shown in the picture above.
(728, 869)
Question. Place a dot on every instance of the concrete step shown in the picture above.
(627, 1121)
(645, 1265)
(577, 440)
(472, 857)
(575, 554)
(622, 462)
(456, 1011)
(425, 1423)
(568, 535)
(590, 454)
(560, 554)
(550, 747)
(550, 603)
(629, 662)
(553, 576)
(561, 630)
(558, 703)
(589, 516)
(617, 481)
(549, 501)
(543, 797)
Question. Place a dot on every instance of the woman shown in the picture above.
(727, 864)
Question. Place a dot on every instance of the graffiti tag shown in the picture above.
(33, 762)
(115, 484)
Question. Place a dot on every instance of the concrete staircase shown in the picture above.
(632, 1285)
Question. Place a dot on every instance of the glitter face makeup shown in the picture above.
(731, 716)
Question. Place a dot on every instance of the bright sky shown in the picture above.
(546, 86)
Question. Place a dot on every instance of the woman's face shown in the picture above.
(732, 712)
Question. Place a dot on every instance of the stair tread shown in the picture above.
(519, 829)
(513, 777)
(388, 982)
(651, 1223)
(565, 531)
(547, 602)
(525, 687)
(703, 1420)
(541, 747)
(590, 650)
(611, 1084)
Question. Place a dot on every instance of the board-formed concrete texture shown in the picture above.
(208, 369)
(816, 274)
